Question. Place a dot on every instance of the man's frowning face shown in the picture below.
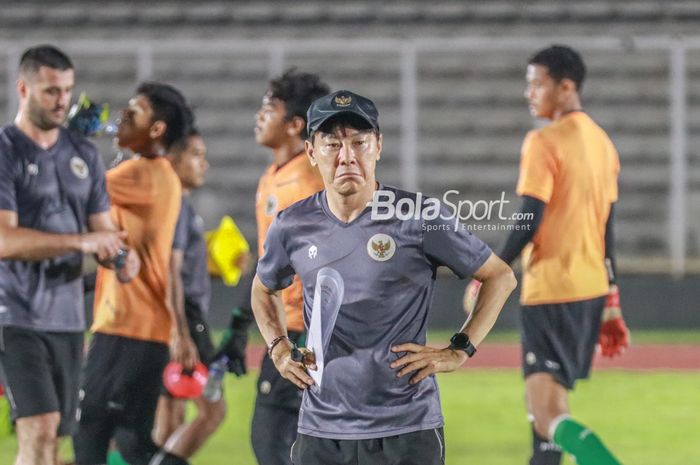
(346, 158)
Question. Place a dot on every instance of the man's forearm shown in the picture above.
(176, 306)
(32, 245)
(492, 296)
(268, 311)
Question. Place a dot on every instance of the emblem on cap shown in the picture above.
(381, 247)
(343, 100)
(79, 167)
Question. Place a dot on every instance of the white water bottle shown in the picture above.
(217, 370)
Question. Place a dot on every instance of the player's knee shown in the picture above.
(41, 429)
(210, 415)
(215, 416)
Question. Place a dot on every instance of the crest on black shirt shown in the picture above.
(79, 167)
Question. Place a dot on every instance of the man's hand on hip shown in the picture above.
(425, 361)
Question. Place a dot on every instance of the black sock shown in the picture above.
(544, 452)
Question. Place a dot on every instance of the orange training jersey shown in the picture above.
(572, 166)
(278, 189)
(145, 195)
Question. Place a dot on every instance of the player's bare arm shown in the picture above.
(182, 348)
(131, 264)
(498, 281)
(17, 243)
(270, 317)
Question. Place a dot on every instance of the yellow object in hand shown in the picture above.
(225, 248)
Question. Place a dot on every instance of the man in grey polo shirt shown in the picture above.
(53, 209)
(368, 271)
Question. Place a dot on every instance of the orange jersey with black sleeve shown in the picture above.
(572, 166)
(145, 195)
(278, 189)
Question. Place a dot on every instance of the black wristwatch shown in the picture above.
(460, 341)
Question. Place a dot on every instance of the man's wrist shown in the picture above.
(280, 350)
(460, 341)
(461, 354)
(76, 242)
(611, 313)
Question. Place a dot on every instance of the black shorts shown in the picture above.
(119, 397)
(273, 389)
(560, 339)
(41, 373)
(425, 447)
(199, 330)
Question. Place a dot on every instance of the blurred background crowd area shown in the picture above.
(448, 78)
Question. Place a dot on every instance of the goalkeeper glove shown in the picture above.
(614, 335)
(234, 342)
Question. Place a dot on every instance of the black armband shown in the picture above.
(531, 212)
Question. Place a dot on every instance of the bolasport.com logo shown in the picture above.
(450, 212)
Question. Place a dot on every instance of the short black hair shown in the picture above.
(345, 121)
(562, 62)
(180, 146)
(169, 106)
(297, 90)
(44, 55)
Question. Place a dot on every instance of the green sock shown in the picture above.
(582, 443)
(115, 458)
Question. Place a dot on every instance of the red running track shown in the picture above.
(639, 357)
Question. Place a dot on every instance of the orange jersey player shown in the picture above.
(280, 187)
(280, 125)
(568, 182)
(135, 324)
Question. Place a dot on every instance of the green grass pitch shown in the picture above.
(647, 418)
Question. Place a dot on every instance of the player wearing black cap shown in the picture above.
(370, 396)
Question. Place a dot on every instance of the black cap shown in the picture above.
(342, 101)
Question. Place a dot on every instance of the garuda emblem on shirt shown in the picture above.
(381, 247)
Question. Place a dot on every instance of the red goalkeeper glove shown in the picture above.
(471, 293)
(614, 336)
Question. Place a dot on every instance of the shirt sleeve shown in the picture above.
(275, 270)
(456, 248)
(99, 200)
(537, 168)
(8, 192)
(127, 185)
(180, 238)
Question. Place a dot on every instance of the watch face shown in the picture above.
(459, 340)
